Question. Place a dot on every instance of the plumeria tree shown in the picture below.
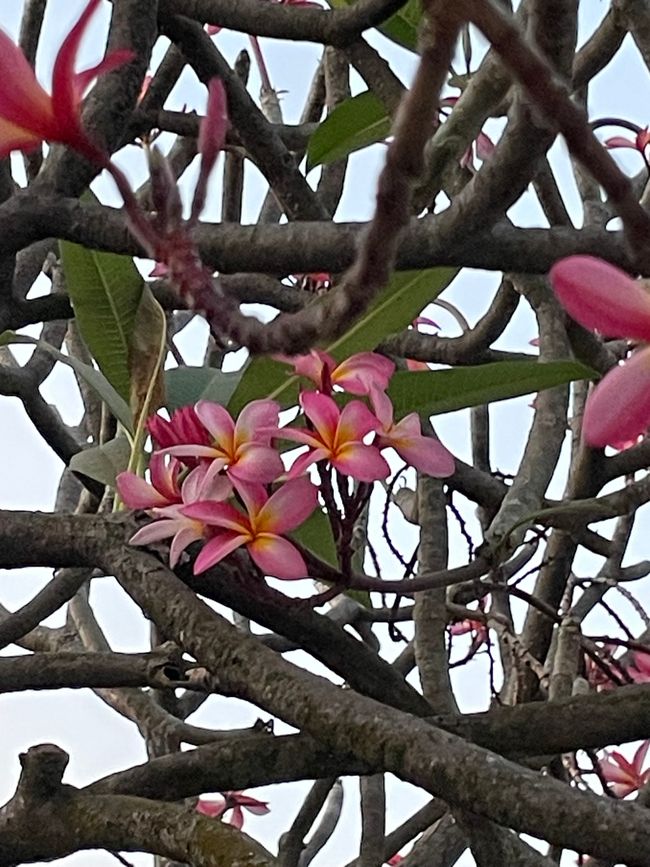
(454, 610)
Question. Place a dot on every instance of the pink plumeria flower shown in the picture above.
(604, 298)
(639, 143)
(260, 529)
(29, 116)
(477, 628)
(482, 147)
(232, 801)
(241, 447)
(337, 437)
(183, 428)
(625, 777)
(171, 520)
(640, 670)
(426, 454)
(163, 490)
(596, 676)
(356, 375)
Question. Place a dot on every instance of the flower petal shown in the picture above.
(206, 482)
(112, 61)
(224, 543)
(601, 296)
(256, 463)
(312, 365)
(302, 462)
(361, 462)
(288, 507)
(619, 406)
(156, 531)
(164, 476)
(138, 494)
(253, 496)
(196, 451)
(383, 407)
(254, 417)
(217, 515)
(218, 421)
(639, 756)
(277, 557)
(237, 817)
(426, 454)
(64, 93)
(214, 809)
(23, 102)
(323, 412)
(356, 421)
(360, 372)
(191, 532)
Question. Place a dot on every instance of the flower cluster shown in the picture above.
(622, 776)
(602, 297)
(29, 115)
(223, 481)
(235, 802)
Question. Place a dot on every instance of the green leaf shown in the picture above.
(315, 534)
(105, 462)
(356, 123)
(430, 392)
(94, 378)
(187, 385)
(396, 306)
(264, 377)
(402, 27)
(105, 291)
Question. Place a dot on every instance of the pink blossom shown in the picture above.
(639, 143)
(232, 801)
(477, 628)
(639, 671)
(426, 454)
(482, 147)
(625, 777)
(241, 447)
(29, 116)
(315, 279)
(170, 520)
(596, 676)
(260, 529)
(356, 375)
(600, 296)
(337, 436)
(184, 427)
(163, 490)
